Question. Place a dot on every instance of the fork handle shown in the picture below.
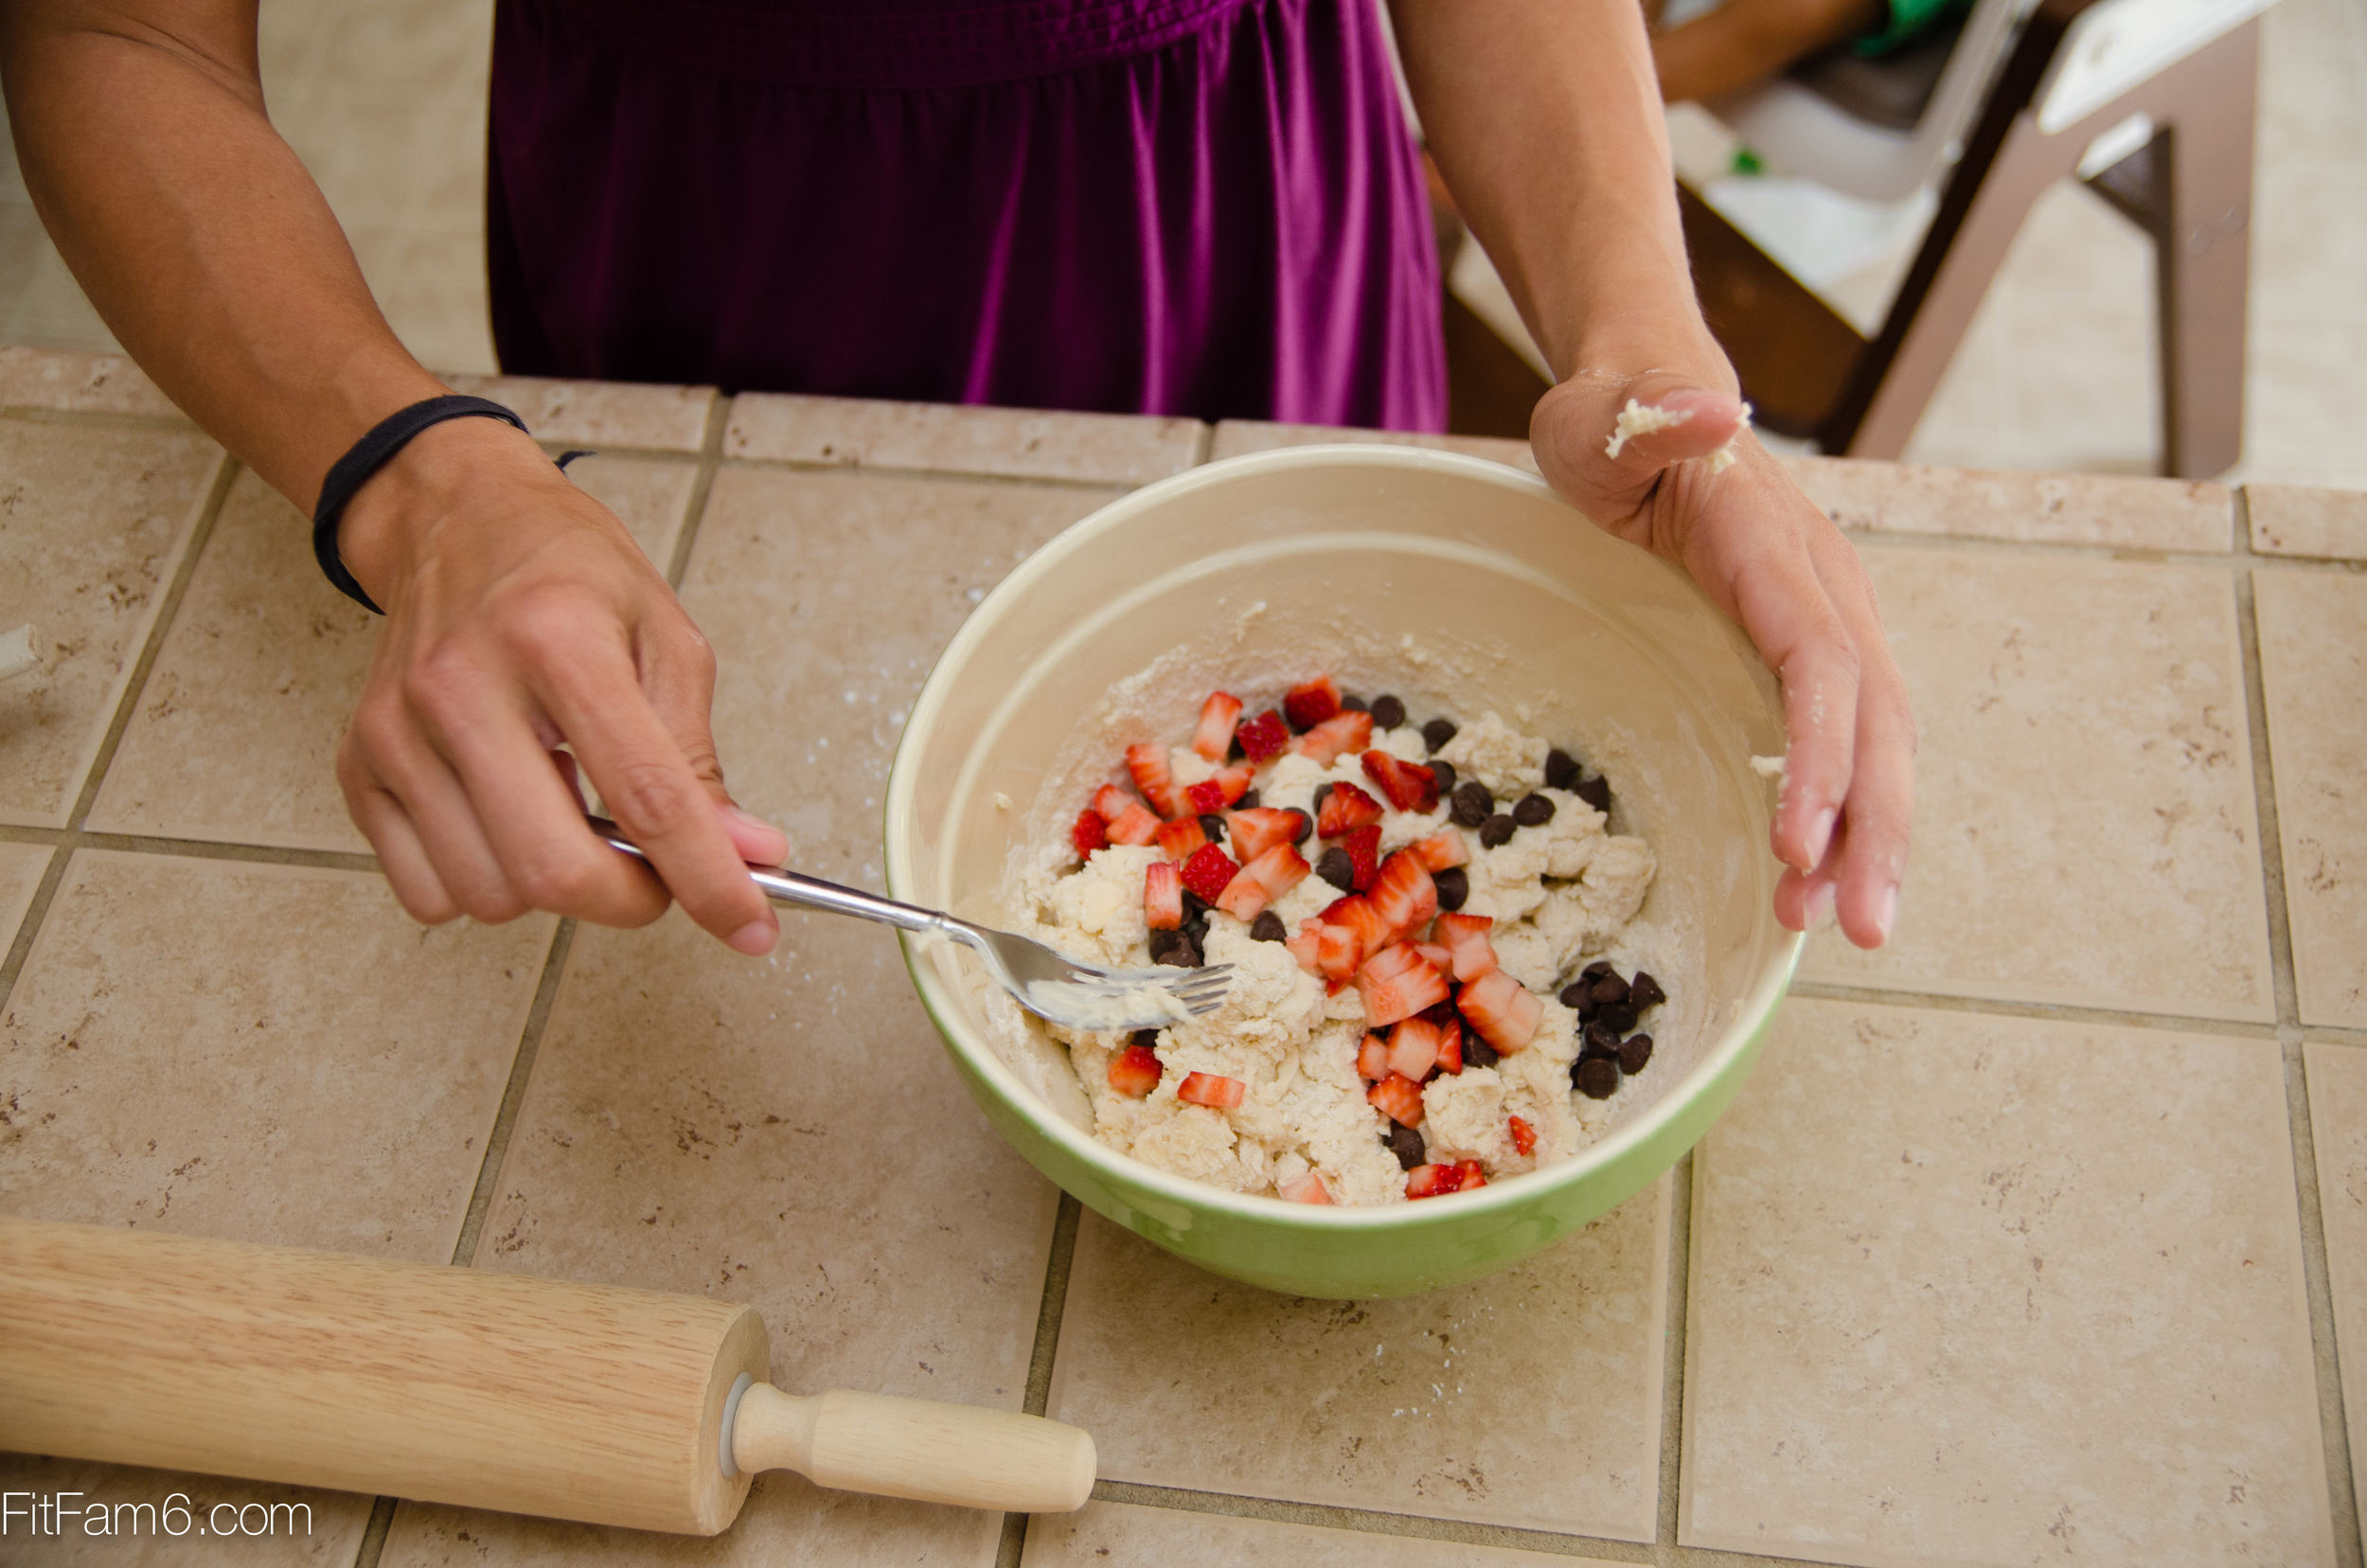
(794, 888)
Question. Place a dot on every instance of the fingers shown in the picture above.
(678, 671)
(657, 797)
(1666, 421)
(524, 808)
(409, 871)
(1870, 859)
(1782, 603)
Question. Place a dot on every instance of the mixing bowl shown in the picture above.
(1461, 585)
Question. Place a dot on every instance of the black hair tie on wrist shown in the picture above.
(366, 456)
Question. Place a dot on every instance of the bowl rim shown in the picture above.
(1514, 1193)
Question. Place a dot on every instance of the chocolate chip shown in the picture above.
(1307, 825)
(1437, 732)
(1597, 1078)
(1644, 991)
(1600, 1041)
(1388, 713)
(1561, 769)
(1609, 988)
(1323, 793)
(1473, 805)
(1212, 827)
(1618, 1015)
(1195, 907)
(1575, 995)
(1174, 947)
(1336, 868)
(1534, 811)
(1233, 751)
(1442, 774)
(1596, 970)
(1453, 887)
(1247, 803)
(1596, 793)
(1198, 932)
(1355, 704)
(1406, 1144)
(1268, 927)
(1148, 1039)
(1477, 1052)
(1496, 832)
(1635, 1052)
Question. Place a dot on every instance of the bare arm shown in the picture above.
(1544, 117)
(519, 611)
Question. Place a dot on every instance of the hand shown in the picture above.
(1766, 556)
(519, 614)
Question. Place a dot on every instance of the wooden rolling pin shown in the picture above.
(595, 1402)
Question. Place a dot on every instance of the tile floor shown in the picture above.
(2039, 1236)
(384, 100)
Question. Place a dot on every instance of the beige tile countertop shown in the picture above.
(2039, 1236)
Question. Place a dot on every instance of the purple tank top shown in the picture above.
(1209, 208)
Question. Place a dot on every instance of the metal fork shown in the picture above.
(1082, 996)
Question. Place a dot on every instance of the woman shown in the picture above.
(1204, 207)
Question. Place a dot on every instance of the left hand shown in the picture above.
(1766, 556)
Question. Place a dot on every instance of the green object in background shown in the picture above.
(1618, 649)
(1747, 161)
(1908, 20)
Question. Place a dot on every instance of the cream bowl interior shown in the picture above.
(1462, 586)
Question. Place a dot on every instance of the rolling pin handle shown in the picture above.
(919, 1448)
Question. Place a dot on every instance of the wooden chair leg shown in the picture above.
(2203, 252)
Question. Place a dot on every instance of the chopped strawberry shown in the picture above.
(1398, 1097)
(1345, 808)
(1357, 914)
(1090, 834)
(1211, 1089)
(1147, 762)
(1336, 954)
(1163, 896)
(1261, 882)
(1372, 1058)
(1440, 958)
(1306, 947)
(1505, 1015)
(1349, 732)
(1431, 1181)
(1441, 851)
(1468, 1175)
(1214, 738)
(1450, 1046)
(1364, 850)
(1178, 839)
(1414, 1048)
(1311, 703)
(1466, 936)
(1403, 893)
(1110, 802)
(1219, 790)
(1263, 737)
(1410, 786)
(1260, 829)
(1397, 983)
(1523, 1138)
(1306, 1190)
(1140, 825)
(1134, 1072)
(1209, 872)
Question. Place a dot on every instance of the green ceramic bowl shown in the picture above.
(1460, 584)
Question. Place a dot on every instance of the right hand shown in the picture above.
(519, 614)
